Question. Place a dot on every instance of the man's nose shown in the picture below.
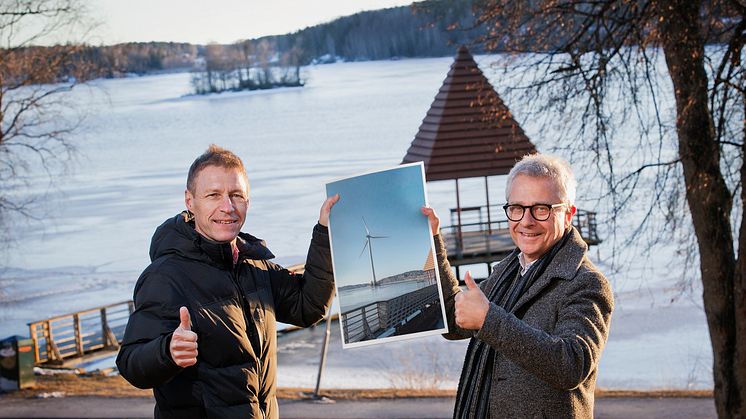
(226, 204)
(528, 218)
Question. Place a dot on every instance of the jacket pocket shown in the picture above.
(221, 333)
(230, 386)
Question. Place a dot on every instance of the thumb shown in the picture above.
(326, 209)
(470, 284)
(329, 202)
(185, 321)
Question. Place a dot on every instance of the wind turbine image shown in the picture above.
(369, 245)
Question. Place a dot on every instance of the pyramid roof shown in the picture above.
(468, 131)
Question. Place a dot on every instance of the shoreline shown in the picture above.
(59, 386)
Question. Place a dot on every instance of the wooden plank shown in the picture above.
(69, 315)
(35, 341)
(431, 133)
(78, 337)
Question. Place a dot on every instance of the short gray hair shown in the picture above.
(546, 166)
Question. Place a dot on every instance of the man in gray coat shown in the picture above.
(539, 323)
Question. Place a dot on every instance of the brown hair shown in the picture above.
(214, 156)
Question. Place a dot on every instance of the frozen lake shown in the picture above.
(141, 134)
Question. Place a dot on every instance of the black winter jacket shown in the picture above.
(233, 312)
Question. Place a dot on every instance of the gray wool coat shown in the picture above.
(548, 347)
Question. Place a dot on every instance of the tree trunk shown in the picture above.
(739, 287)
(707, 194)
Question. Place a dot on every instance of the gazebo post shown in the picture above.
(489, 221)
(487, 194)
(460, 246)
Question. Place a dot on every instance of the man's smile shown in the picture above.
(530, 234)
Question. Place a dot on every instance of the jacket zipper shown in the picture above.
(247, 318)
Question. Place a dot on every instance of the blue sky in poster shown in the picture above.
(390, 203)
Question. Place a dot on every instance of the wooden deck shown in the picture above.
(478, 246)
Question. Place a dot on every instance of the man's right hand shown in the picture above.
(184, 342)
(471, 305)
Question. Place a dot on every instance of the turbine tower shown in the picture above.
(369, 245)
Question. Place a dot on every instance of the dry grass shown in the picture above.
(654, 393)
(350, 394)
(75, 385)
(116, 386)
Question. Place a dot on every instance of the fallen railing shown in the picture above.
(80, 333)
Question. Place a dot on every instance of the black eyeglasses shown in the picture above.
(540, 212)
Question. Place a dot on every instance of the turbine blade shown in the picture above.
(364, 247)
(379, 237)
(366, 226)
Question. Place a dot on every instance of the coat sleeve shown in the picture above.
(566, 357)
(144, 358)
(302, 300)
(449, 286)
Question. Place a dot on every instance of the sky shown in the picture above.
(389, 202)
(221, 21)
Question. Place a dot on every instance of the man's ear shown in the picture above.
(569, 214)
(188, 198)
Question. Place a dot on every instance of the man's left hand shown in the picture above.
(471, 305)
(326, 209)
(432, 219)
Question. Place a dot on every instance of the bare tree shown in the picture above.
(35, 122)
(589, 68)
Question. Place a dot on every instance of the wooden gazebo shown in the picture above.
(469, 132)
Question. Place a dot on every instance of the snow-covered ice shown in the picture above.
(140, 136)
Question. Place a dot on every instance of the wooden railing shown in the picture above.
(77, 334)
(371, 320)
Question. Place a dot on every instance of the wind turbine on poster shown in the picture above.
(369, 245)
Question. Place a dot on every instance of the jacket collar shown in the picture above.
(178, 236)
(249, 247)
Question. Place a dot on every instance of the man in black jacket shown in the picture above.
(203, 333)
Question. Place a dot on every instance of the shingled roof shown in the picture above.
(468, 131)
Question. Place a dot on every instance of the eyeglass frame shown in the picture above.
(531, 210)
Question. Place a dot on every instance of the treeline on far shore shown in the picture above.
(399, 32)
(430, 28)
(60, 63)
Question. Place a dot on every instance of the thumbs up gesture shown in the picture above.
(471, 305)
(184, 342)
